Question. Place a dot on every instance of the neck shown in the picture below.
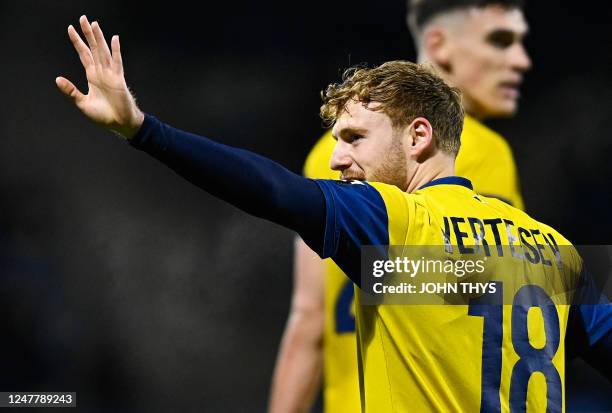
(472, 109)
(440, 166)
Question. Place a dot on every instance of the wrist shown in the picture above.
(131, 128)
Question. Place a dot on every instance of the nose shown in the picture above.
(520, 58)
(340, 159)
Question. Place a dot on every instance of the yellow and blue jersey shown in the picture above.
(486, 159)
(467, 357)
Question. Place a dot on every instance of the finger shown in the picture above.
(69, 89)
(80, 47)
(91, 40)
(117, 60)
(104, 52)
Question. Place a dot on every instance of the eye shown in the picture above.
(353, 138)
(501, 39)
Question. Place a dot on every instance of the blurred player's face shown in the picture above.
(369, 147)
(486, 59)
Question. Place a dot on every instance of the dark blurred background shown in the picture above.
(126, 284)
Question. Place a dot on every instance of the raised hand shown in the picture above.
(108, 101)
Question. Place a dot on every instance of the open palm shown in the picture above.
(108, 101)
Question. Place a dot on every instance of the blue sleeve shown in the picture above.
(596, 320)
(334, 218)
(356, 215)
(246, 180)
(593, 311)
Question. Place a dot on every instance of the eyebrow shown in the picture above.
(508, 32)
(349, 131)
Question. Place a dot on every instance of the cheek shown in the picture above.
(370, 159)
(479, 84)
(392, 168)
(475, 70)
(369, 154)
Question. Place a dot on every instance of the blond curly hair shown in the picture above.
(403, 91)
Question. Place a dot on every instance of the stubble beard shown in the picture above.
(393, 169)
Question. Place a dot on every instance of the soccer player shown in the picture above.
(402, 123)
(476, 46)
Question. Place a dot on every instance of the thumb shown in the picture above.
(69, 89)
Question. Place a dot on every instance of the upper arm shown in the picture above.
(595, 320)
(356, 215)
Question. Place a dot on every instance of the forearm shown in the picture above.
(297, 376)
(248, 181)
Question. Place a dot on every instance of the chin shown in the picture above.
(502, 110)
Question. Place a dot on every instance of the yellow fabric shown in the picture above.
(486, 159)
(428, 358)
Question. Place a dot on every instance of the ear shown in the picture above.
(420, 138)
(436, 42)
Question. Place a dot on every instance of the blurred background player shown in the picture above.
(474, 45)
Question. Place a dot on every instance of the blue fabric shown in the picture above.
(449, 180)
(594, 311)
(246, 180)
(596, 321)
(335, 218)
(356, 216)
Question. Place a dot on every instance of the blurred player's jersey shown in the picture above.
(456, 358)
(486, 159)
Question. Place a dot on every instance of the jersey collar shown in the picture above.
(449, 180)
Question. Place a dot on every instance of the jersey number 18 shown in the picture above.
(531, 359)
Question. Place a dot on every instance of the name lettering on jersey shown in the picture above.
(486, 236)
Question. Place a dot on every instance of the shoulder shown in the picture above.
(358, 199)
(478, 134)
(520, 217)
(356, 215)
(392, 195)
(359, 192)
